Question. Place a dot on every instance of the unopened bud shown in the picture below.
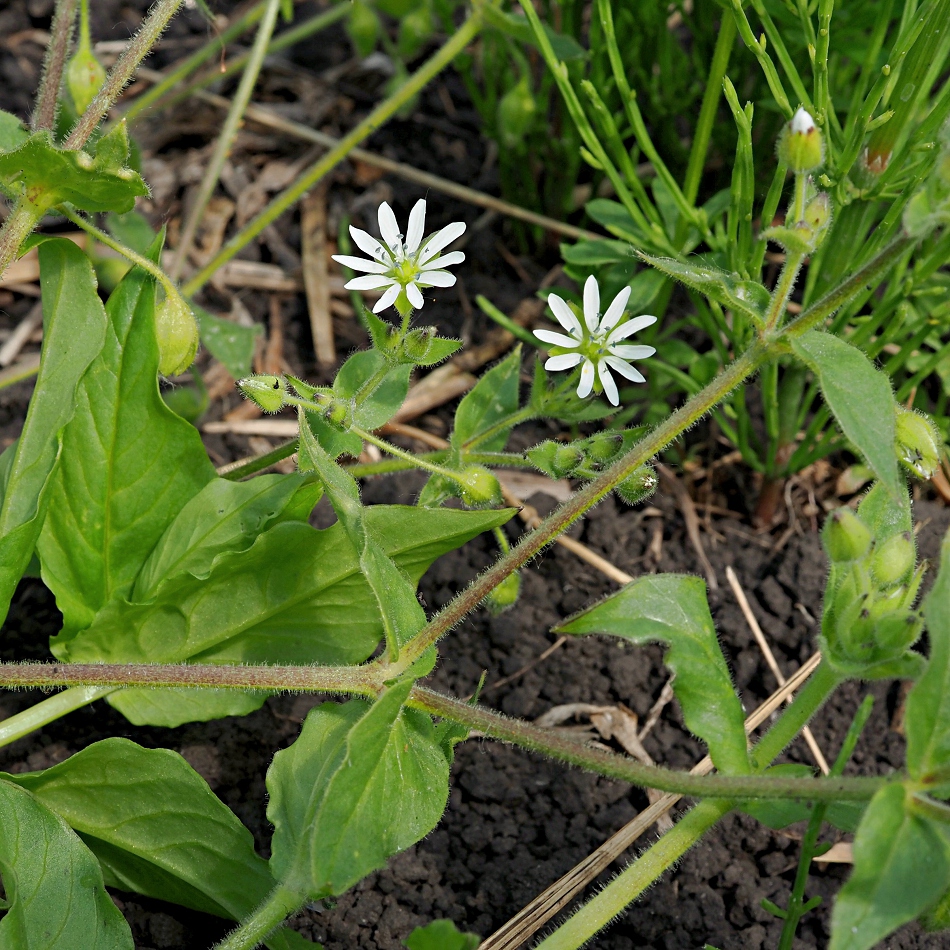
(818, 212)
(84, 77)
(917, 442)
(516, 111)
(638, 486)
(894, 559)
(177, 332)
(566, 460)
(337, 413)
(845, 536)
(505, 595)
(479, 488)
(417, 343)
(603, 447)
(800, 146)
(266, 391)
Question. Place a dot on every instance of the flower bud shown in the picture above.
(845, 536)
(893, 559)
(566, 459)
(638, 486)
(84, 77)
(177, 334)
(818, 212)
(800, 146)
(267, 391)
(364, 28)
(337, 413)
(505, 595)
(917, 442)
(604, 446)
(417, 343)
(515, 114)
(479, 488)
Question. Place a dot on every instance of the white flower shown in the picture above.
(597, 343)
(403, 264)
(802, 123)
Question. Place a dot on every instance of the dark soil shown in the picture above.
(515, 822)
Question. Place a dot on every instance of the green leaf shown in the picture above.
(52, 882)
(156, 827)
(490, 402)
(13, 133)
(592, 254)
(129, 466)
(730, 290)
(395, 594)
(565, 47)
(132, 229)
(75, 324)
(376, 395)
(901, 868)
(361, 783)
(334, 441)
(441, 935)
(927, 721)
(616, 219)
(672, 608)
(52, 175)
(860, 397)
(224, 517)
(227, 341)
(296, 596)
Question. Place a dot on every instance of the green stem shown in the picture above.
(188, 66)
(534, 542)
(504, 321)
(415, 460)
(707, 112)
(391, 466)
(235, 471)
(598, 912)
(282, 903)
(385, 110)
(16, 229)
(123, 71)
(783, 289)
(226, 137)
(60, 39)
(49, 710)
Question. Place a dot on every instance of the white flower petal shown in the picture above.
(802, 123)
(556, 339)
(389, 229)
(564, 361)
(625, 369)
(436, 278)
(446, 260)
(631, 327)
(587, 380)
(440, 239)
(360, 264)
(368, 244)
(417, 226)
(565, 316)
(631, 352)
(591, 303)
(607, 381)
(388, 298)
(415, 296)
(615, 311)
(369, 282)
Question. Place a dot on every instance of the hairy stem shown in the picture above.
(584, 499)
(16, 229)
(282, 903)
(123, 71)
(60, 39)
(228, 133)
(384, 111)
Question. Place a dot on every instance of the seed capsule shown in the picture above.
(846, 537)
(177, 333)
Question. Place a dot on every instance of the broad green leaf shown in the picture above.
(156, 827)
(730, 290)
(616, 219)
(672, 608)
(227, 341)
(74, 328)
(441, 935)
(132, 229)
(296, 596)
(129, 466)
(395, 594)
(591, 254)
(927, 721)
(490, 403)
(13, 133)
(376, 393)
(57, 900)
(860, 397)
(565, 47)
(901, 867)
(361, 783)
(223, 517)
(92, 183)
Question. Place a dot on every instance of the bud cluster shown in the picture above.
(869, 616)
(586, 458)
